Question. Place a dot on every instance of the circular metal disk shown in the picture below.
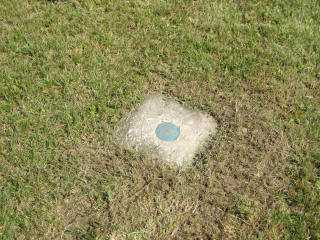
(167, 131)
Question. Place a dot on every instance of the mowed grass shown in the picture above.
(70, 72)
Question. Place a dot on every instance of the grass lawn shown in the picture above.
(69, 72)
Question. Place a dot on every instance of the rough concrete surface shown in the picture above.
(195, 128)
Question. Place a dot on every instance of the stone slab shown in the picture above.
(151, 126)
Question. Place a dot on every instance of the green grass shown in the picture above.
(69, 72)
